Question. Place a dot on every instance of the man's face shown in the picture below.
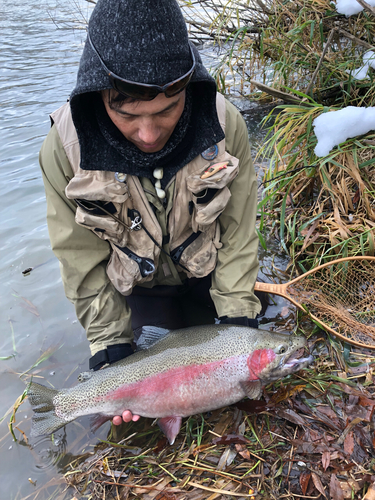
(147, 124)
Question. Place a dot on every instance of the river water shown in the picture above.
(41, 43)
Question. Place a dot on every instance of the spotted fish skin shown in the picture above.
(185, 372)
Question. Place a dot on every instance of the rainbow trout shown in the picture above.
(174, 374)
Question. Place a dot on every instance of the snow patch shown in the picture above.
(351, 7)
(368, 62)
(335, 127)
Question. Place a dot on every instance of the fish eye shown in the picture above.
(281, 350)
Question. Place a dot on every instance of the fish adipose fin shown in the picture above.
(252, 388)
(170, 426)
(149, 336)
(45, 420)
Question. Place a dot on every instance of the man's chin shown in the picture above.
(152, 148)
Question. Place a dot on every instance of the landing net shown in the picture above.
(342, 297)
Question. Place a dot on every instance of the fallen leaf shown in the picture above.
(349, 443)
(252, 406)
(326, 459)
(231, 439)
(226, 458)
(292, 416)
(304, 480)
(335, 489)
(356, 197)
(243, 451)
(158, 493)
(223, 424)
(348, 428)
(370, 495)
(363, 401)
(318, 484)
(326, 410)
(285, 393)
(349, 488)
(166, 496)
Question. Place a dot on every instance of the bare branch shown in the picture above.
(367, 6)
(320, 60)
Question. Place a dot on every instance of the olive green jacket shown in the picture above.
(100, 308)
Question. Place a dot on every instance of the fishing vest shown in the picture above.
(114, 206)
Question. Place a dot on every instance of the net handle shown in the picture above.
(282, 291)
(282, 288)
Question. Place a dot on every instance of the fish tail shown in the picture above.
(45, 420)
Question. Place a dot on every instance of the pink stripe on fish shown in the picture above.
(258, 360)
(165, 381)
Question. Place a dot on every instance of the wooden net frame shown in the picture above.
(339, 295)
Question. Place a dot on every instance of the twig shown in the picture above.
(264, 7)
(277, 93)
(367, 6)
(320, 60)
(355, 39)
(221, 492)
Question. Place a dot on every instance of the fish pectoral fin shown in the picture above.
(149, 336)
(98, 420)
(252, 388)
(170, 426)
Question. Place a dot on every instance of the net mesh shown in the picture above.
(341, 296)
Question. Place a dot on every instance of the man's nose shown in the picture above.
(149, 132)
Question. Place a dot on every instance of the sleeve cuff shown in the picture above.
(243, 320)
(110, 355)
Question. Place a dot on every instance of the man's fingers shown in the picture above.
(127, 416)
(117, 420)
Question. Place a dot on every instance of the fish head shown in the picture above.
(279, 356)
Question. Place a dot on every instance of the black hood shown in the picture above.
(143, 41)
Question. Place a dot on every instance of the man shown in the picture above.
(151, 207)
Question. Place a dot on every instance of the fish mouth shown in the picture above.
(296, 362)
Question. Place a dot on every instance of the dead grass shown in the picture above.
(324, 209)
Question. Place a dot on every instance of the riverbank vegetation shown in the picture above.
(303, 56)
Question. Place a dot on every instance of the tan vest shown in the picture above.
(108, 204)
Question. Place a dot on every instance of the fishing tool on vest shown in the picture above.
(146, 266)
(339, 295)
(213, 169)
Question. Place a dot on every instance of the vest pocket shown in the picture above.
(123, 272)
(205, 214)
(210, 193)
(126, 268)
(97, 216)
(199, 256)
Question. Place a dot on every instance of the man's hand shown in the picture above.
(126, 416)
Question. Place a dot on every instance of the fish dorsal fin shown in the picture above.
(170, 426)
(252, 388)
(82, 377)
(149, 336)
